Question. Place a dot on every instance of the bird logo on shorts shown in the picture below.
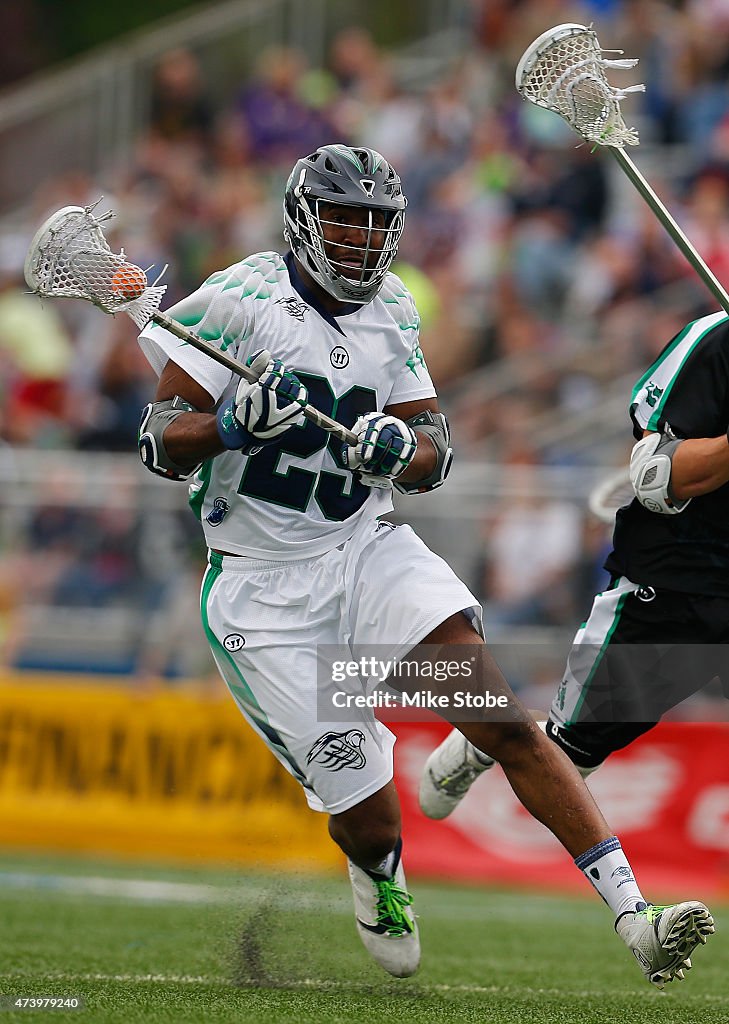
(337, 750)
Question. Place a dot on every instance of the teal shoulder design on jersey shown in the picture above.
(403, 311)
(651, 391)
(219, 311)
(262, 262)
(416, 359)
(396, 296)
(256, 276)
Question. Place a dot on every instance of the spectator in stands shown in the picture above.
(123, 382)
(527, 583)
(35, 355)
(278, 122)
(179, 105)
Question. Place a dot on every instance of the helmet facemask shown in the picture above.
(338, 176)
(345, 281)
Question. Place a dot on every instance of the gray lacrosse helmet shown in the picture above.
(352, 177)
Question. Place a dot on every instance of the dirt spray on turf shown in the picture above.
(275, 948)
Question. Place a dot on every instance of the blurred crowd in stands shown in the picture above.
(542, 280)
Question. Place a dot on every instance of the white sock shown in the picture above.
(607, 868)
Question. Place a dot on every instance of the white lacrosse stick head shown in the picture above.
(69, 256)
(564, 71)
(610, 494)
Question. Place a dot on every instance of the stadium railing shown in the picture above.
(101, 561)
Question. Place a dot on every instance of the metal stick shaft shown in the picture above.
(671, 226)
(186, 335)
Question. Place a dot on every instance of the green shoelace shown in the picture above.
(391, 904)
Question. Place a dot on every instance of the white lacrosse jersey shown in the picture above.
(294, 499)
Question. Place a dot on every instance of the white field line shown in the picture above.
(140, 890)
(326, 985)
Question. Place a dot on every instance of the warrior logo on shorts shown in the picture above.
(218, 512)
(337, 750)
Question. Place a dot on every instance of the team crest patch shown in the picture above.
(337, 750)
(218, 512)
(294, 307)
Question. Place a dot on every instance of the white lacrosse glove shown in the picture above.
(385, 448)
(262, 411)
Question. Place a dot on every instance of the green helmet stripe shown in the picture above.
(348, 154)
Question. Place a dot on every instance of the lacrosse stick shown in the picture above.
(610, 494)
(564, 71)
(69, 256)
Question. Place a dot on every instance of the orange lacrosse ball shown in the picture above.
(129, 282)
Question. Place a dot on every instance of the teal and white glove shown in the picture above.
(261, 412)
(385, 448)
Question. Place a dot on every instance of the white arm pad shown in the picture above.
(650, 474)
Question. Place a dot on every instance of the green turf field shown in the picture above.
(196, 946)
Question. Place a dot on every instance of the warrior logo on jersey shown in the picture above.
(339, 357)
(234, 642)
(218, 512)
(337, 750)
(293, 307)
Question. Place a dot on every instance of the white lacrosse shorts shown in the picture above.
(265, 621)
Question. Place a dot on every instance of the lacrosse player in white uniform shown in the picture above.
(299, 556)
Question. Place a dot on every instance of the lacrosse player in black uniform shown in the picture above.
(659, 633)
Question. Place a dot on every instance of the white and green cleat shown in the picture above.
(662, 939)
(449, 773)
(385, 920)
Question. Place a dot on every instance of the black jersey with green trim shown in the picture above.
(686, 388)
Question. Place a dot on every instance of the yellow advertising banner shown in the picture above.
(171, 774)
